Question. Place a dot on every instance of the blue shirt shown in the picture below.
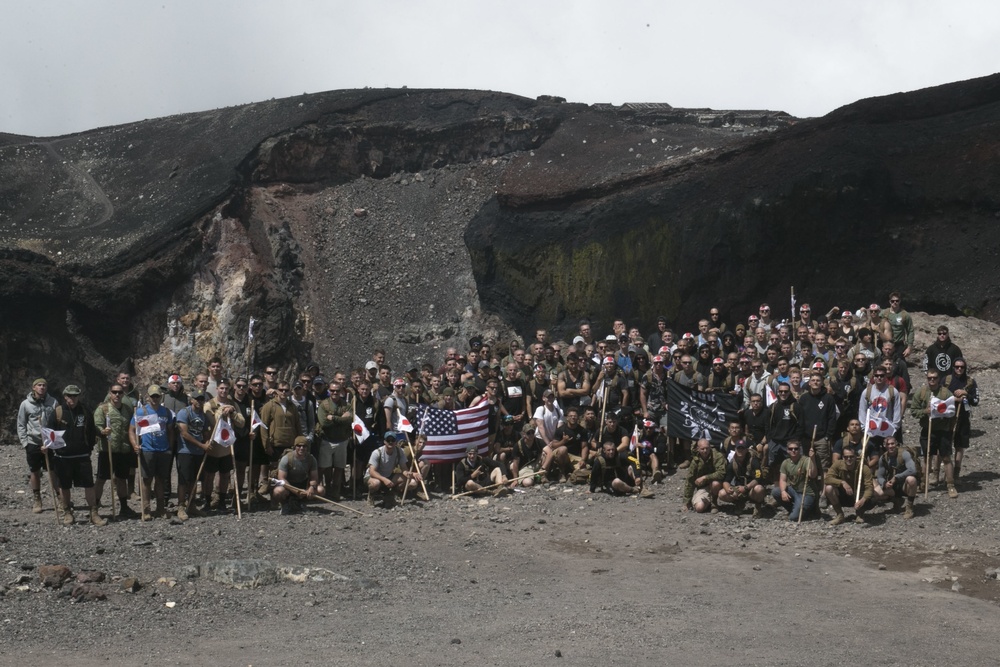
(156, 441)
(195, 422)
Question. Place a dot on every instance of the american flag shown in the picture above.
(449, 433)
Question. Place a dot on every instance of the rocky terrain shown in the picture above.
(547, 576)
(411, 219)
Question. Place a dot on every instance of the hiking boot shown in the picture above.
(371, 499)
(859, 519)
(263, 488)
(952, 491)
(657, 477)
(146, 515)
(96, 519)
(286, 508)
(756, 511)
(715, 509)
(908, 511)
(422, 496)
(646, 492)
(221, 505)
(192, 511)
(897, 504)
(126, 512)
(182, 514)
(501, 491)
(740, 505)
(67, 517)
(162, 513)
(36, 502)
(839, 519)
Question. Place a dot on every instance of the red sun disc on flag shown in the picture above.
(872, 425)
(143, 422)
(357, 429)
(224, 433)
(52, 436)
(942, 407)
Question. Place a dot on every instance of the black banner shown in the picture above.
(695, 414)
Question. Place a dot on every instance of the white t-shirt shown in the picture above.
(549, 419)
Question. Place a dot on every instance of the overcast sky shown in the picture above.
(78, 64)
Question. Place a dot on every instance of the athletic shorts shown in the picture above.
(74, 472)
(332, 454)
(187, 468)
(940, 443)
(120, 463)
(35, 456)
(155, 464)
(242, 450)
(218, 464)
(701, 496)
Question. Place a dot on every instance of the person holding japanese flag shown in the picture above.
(934, 406)
(229, 423)
(71, 443)
(883, 401)
(153, 437)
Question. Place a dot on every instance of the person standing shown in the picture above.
(939, 428)
(965, 389)
(72, 461)
(112, 418)
(153, 438)
(36, 410)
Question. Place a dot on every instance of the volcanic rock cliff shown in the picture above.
(412, 219)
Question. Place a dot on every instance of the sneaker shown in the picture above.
(715, 509)
(182, 514)
(952, 491)
(286, 510)
(837, 520)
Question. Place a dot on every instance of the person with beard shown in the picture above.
(72, 461)
(36, 411)
(965, 389)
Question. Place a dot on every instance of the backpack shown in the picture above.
(868, 394)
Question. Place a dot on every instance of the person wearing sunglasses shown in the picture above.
(112, 418)
(942, 353)
(798, 482)
(965, 389)
(840, 481)
(899, 324)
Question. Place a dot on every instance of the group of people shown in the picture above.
(590, 411)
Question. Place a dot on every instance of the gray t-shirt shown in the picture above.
(297, 471)
(385, 463)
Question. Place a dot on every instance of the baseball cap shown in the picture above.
(578, 339)
(154, 390)
(371, 365)
(197, 394)
(71, 390)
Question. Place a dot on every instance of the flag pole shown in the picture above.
(354, 436)
(251, 483)
(927, 458)
(193, 491)
(236, 483)
(861, 458)
(48, 471)
(794, 323)
(111, 468)
(493, 486)
(805, 486)
(413, 461)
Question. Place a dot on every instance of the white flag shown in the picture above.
(53, 439)
(224, 434)
(942, 409)
(878, 425)
(404, 423)
(255, 422)
(360, 430)
(250, 332)
(771, 396)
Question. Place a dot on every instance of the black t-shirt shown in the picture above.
(577, 436)
(514, 401)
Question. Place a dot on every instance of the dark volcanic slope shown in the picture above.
(337, 220)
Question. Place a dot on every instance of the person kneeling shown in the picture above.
(388, 470)
(705, 475)
(297, 468)
(798, 482)
(840, 481)
(611, 474)
(898, 476)
(475, 473)
(744, 480)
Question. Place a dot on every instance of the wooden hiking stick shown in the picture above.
(52, 485)
(278, 482)
(413, 461)
(861, 461)
(805, 486)
(236, 483)
(251, 483)
(493, 486)
(927, 459)
(193, 491)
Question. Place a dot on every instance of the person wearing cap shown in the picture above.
(194, 430)
(474, 472)
(111, 419)
(335, 419)
(744, 480)
(389, 469)
(653, 393)
(704, 478)
(219, 459)
(297, 468)
(840, 483)
(154, 449)
(941, 429)
(719, 379)
(652, 446)
(36, 411)
(71, 461)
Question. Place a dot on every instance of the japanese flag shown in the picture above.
(224, 434)
(53, 439)
(878, 425)
(633, 443)
(942, 409)
(360, 430)
(147, 424)
(771, 396)
(404, 423)
(255, 422)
